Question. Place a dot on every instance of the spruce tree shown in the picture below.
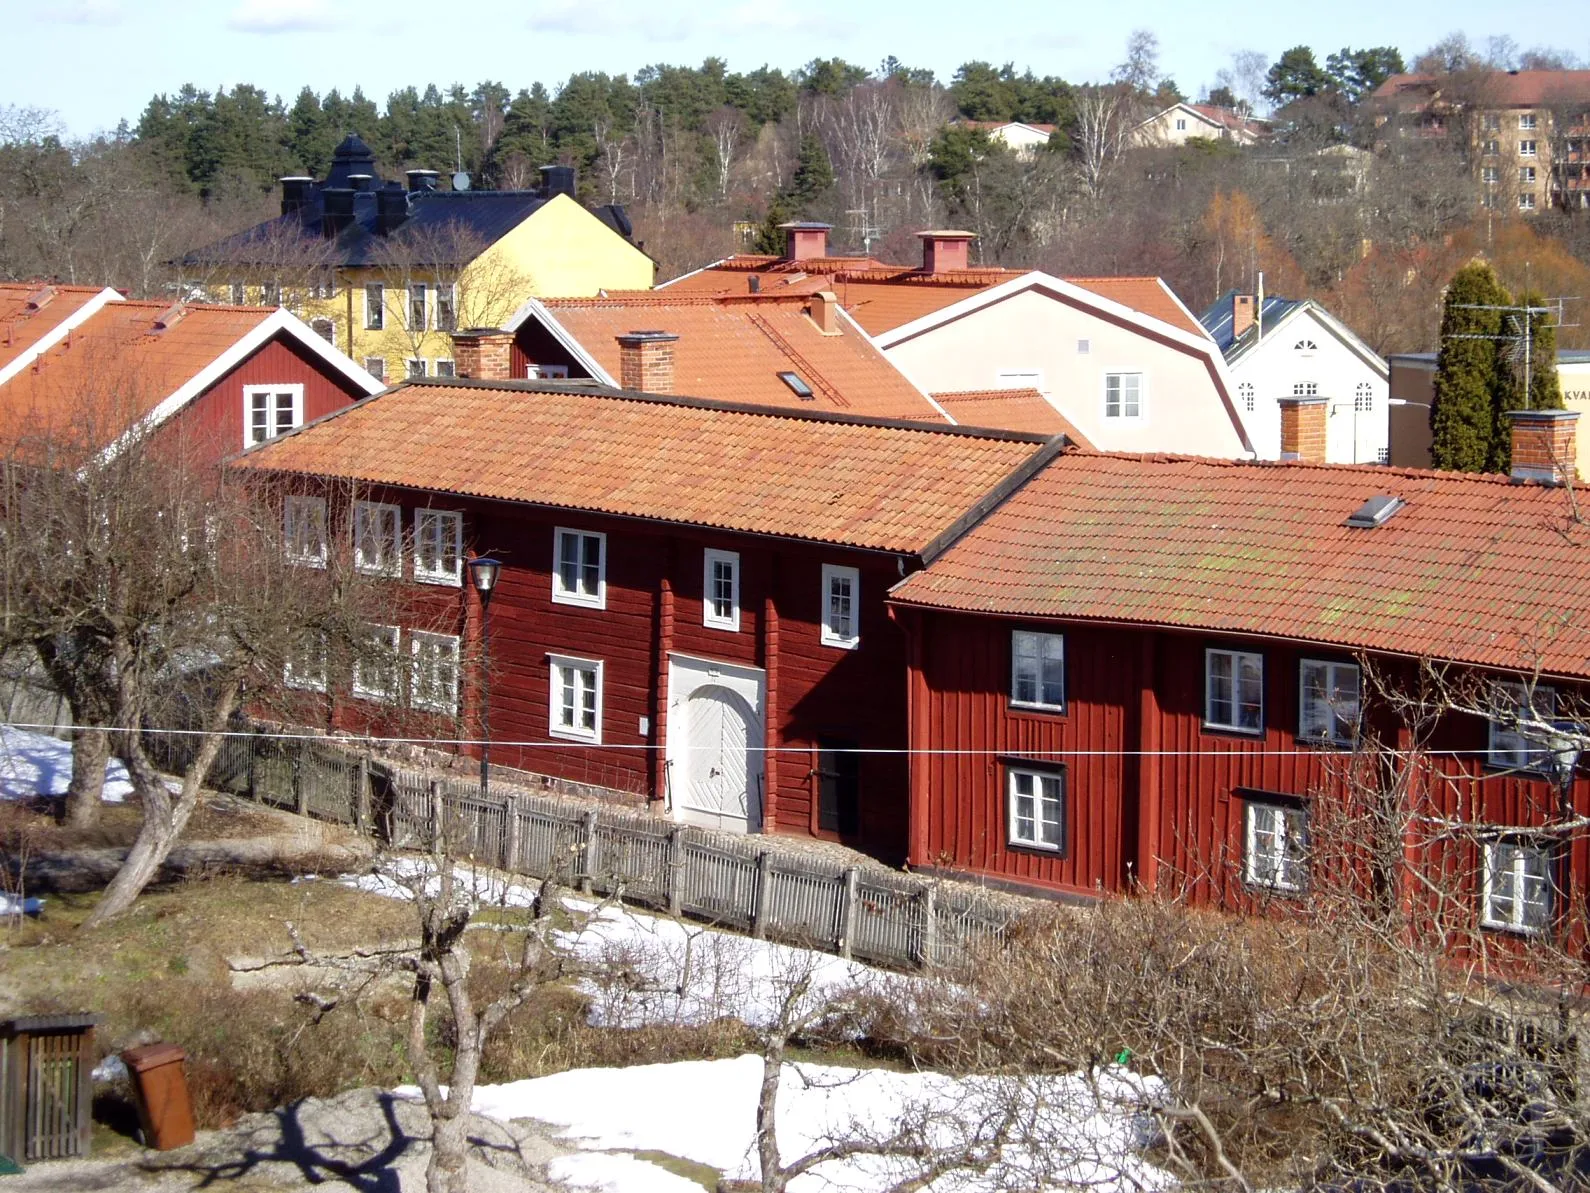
(1462, 415)
(814, 174)
(1543, 393)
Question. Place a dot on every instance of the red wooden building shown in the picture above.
(1150, 673)
(692, 602)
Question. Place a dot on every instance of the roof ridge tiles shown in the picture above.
(1492, 478)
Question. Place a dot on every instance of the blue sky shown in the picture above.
(97, 61)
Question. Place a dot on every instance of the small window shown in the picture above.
(1181, 124)
(1526, 174)
(1305, 389)
(323, 284)
(444, 368)
(1492, 123)
(1245, 395)
(374, 306)
(1526, 149)
(1382, 455)
(1036, 808)
(1518, 886)
(547, 372)
(306, 665)
(417, 307)
(377, 547)
(1526, 121)
(434, 679)
(1123, 395)
(579, 568)
(576, 701)
(1364, 397)
(1526, 201)
(375, 666)
(1276, 845)
(239, 294)
(720, 603)
(1491, 148)
(1517, 729)
(1234, 691)
(271, 410)
(1328, 703)
(841, 592)
(270, 294)
(438, 546)
(325, 329)
(1305, 347)
(1490, 174)
(416, 367)
(376, 367)
(1037, 670)
(1084, 347)
(304, 530)
(797, 385)
(447, 308)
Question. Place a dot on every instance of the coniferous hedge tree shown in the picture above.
(1463, 414)
(1543, 393)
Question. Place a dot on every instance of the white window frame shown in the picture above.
(1526, 201)
(419, 288)
(325, 328)
(1518, 917)
(430, 538)
(450, 306)
(562, 666)
(374, 313)
(1526, 121)
(1019, 379)
(297, 675)
(1033, 645)
(381, 360)
(1509, 749)
(1274, 844)
(1305, 389)
(829, 635)
(1332, 669)
(709, 605)
(1042, 800)
(1492, 147)
(420, 642)
(273, 423)
(1247, 395)
(1363, 398)
(391, 635)
(239, 294)
(1490, 174)
(563, 595)
(388, 560)
(1181, 124)
(1236, 658)
(1142, 396)
(299, 511)
(409, 370)
(1526, 175)
(547, 372)
(1526, 148)
(445, 367)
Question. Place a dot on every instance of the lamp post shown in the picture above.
(1563, 744)
(483, 572)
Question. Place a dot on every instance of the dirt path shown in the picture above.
(364, 1139)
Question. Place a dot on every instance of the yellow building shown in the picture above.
(386, 271)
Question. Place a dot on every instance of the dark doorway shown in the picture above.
(838, 786)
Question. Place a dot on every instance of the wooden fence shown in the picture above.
(749, 883)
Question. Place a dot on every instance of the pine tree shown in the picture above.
(1462, 416)
(814, 174)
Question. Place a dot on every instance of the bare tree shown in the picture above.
(726, 127)
(1103, 121)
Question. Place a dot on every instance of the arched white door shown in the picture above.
(715, 746)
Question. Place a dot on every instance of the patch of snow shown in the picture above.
(11, 905)
(112, 1068)
(399, 878)
(38, 764)
(617, 1173)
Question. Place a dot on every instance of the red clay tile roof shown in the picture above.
(1009, 410)
(117, 366)
(889, 487)
(31, 310)
(1493, 89)
(1230, 118)
(1473, 569)
(733, 350)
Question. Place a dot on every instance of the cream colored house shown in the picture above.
(1181, 122)
(1023, 138)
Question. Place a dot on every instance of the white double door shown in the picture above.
(715, 743)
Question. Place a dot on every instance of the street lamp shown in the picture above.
(483, 573)
(1563, 747)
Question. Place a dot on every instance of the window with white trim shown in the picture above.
(306, 664)
(1516, 895)
(1233, 690)
(1328, 701)
(1490, 174)
(374, 306)
(414, 367)
(304, 530)
(576, 698)
(720, 590)
(1491, 147)
(1526, 174)
(841, 613)
(376, 367)
(1364, 397)
(1181, 124)
(447, 308)
(1246, 395)
(1305, 347)
(1518, 727)
(433, 680)
(439, 546)
(1305, 389)
(579, 568)
(1526, 121)
(271, 410)
(1275, 844)
(1035, 808)
(270, 294)
(239, 294)
(377, 538)
(325, 329)
(1037, 670)
(446, 368)
(417, 306)
(547, 372)
(1123, 395)
(1526, 201)
(375, 665)
(1526, 149)
(1491, 122)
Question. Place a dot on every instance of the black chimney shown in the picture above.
(295, 192)
(421, 180)
(362, 182)
(338, 210)
(557, 180)
(351, 157)
(391, 208)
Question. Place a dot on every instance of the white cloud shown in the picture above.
(584, 18)
(779, 16)
(285, 16)
(86, 12)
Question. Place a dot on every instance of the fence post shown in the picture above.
(847, 910)
(587, 850)
(436, 816)
(300, 796)
(930, 926)
(510, 811)
(676, 869)
(252, 743)
(764, 894)
(361, 797)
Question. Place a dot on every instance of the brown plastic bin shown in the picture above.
(164, 1109)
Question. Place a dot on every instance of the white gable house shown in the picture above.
(1296, 348)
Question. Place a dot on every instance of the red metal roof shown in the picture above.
(29, 311)
(1473, 569)
(1489, 89)
(861, 483)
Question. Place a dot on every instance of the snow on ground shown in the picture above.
(38, 764)
(1057, 1132)
(398, 879)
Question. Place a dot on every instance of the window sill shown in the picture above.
(1512, 929)
(579, 602)
(1325, 743)
(1053, 710)
(1233, 731)
(1272, 890)
(303, 686)
(447, 710)
(382, 570)
(840, 643)
(374, 697)
(307, 561)
(728, 627)
(1057, 851)
(589, 739)
(442, 578)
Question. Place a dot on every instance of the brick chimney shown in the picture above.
(646, 361)
(1241, 314)
(824, 311)
(946, 250)
(483, 354)
(805, 240)
(1303, 429)
(1544, 445)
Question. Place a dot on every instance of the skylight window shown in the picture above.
(797, 386)
(1375, 512)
